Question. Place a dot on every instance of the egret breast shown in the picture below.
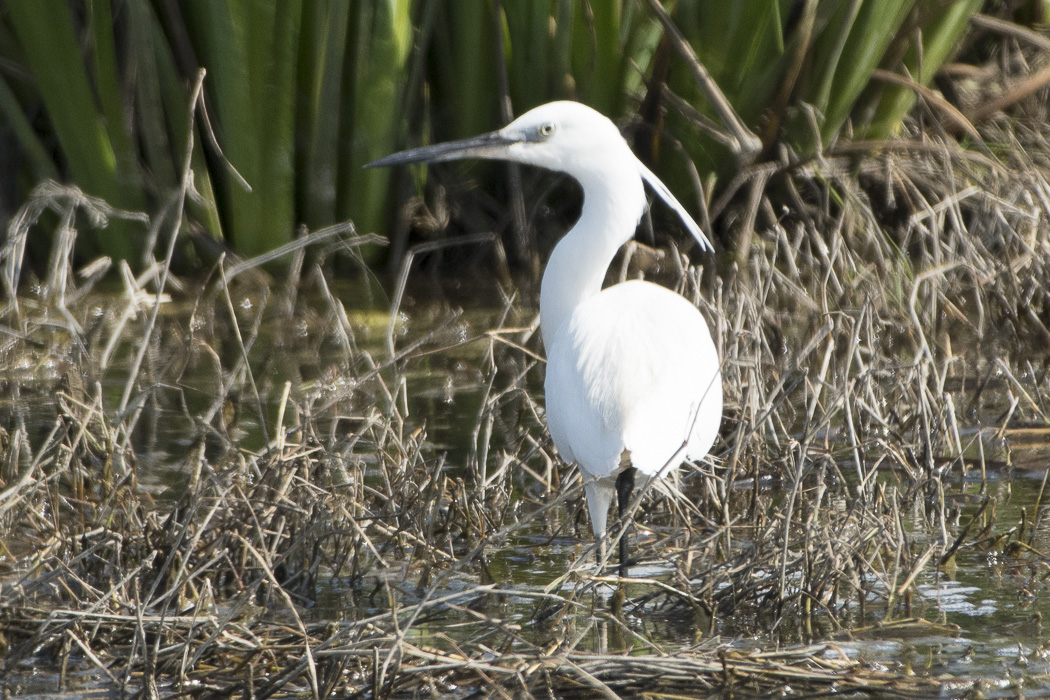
(634, 367)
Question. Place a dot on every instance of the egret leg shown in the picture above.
(624, 487)
(600, 494)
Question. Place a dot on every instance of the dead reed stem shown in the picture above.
(336, 539)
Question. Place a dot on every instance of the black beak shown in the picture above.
(491, 145)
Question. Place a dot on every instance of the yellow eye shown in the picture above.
(547, 129)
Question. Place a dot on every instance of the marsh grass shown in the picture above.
(884, 359)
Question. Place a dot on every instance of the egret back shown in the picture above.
(634, 368)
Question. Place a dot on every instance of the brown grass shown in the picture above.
(885, 336)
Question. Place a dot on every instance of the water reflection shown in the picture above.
(473, 401)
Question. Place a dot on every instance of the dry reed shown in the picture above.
(884, 339)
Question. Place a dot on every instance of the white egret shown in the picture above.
(633, 378)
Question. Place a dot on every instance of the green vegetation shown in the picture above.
(301, 94)
(796, 72)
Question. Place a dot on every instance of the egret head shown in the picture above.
(569, 137)
(557, 136)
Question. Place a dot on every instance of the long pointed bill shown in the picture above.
(665, 194)
(491, 145)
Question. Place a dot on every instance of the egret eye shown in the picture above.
(547, 129)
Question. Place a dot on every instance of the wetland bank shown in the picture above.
(283, 476)
(234, 487)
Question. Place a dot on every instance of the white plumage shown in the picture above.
(633, 369)
(633, 377)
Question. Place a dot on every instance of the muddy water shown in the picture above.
(997, 602)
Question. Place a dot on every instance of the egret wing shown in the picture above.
(634, 368)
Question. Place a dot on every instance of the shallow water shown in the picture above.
(996, 601)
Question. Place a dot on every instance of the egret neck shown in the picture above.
(613, 202)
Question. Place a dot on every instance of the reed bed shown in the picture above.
(884, 347)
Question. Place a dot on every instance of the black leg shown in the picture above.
(624, 487)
